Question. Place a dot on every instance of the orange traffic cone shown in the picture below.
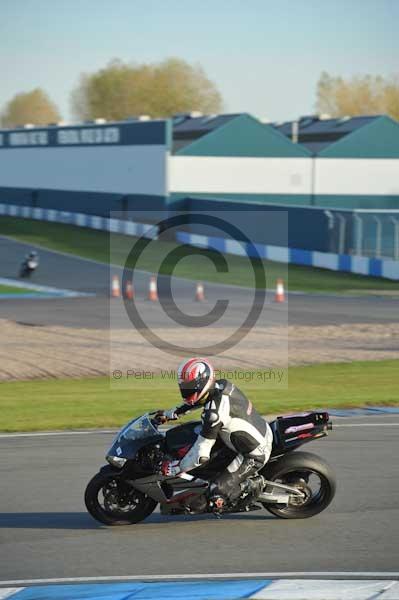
(199, 293)
(153, 290)
(115, 287)
(129, 290)
(280, 294)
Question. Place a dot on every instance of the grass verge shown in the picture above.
(87, 403)
(9, 289)
(94, 244)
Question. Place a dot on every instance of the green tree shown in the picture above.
(30, 107)
(122, 90)
(360, 95)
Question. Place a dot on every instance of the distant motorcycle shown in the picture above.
(295, 485)
(29, 265)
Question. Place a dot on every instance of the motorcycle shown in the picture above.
(294, 484)
(28, 267)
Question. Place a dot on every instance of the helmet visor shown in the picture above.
(188, 388)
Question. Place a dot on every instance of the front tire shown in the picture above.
(296, 469)
(111, 501)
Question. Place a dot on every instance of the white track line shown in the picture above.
(110, 431)
(56, 433)
(213, 576)
(8, 592)
(365, 425)
(67, 254)
(42, 288)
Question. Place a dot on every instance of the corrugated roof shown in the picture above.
(204, 124)
(314, 133)
(187, 129)
(317, 133)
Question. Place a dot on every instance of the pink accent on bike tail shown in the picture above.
(296, 428)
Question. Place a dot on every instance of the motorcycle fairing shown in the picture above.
(288, 433)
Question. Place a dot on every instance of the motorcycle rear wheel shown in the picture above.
(296, 469)
(112, 502)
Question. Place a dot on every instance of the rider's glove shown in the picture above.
(170, 468)
(171, 414)
(163, 416)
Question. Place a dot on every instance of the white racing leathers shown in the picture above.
(228, 414)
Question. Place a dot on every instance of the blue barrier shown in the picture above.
(361, 265)
(80, 220)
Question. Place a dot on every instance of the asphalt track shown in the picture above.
(74, 273)
(45, 531)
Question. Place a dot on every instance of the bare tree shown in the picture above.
(121, 90)
(365, 95)
(30, 107)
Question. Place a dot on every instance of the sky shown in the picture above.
(264, 55)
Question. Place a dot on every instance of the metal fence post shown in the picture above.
(331, 219)
(359, 234)
(378, 236)
(395, 237)
(341, 238)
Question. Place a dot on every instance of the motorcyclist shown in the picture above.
(227, 414)
(32, 260)
(29, 264)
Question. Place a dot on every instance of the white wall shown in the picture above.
(218, 175)
(110, 169)
(239, 175)
(142, 169)
(357, 176)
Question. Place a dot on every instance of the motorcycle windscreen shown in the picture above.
(133, 436)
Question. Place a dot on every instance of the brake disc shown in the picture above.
(303, 487)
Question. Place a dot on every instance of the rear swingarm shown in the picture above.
(279, 498)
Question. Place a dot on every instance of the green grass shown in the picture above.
(9, 289)
(95, 245)
(87, 403)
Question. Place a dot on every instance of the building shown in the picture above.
(238, 158)
(91, 168)
(233, 161)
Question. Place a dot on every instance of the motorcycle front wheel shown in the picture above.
(309, 474)
(112, 501)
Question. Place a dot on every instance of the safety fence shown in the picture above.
(358, 262)
(361, 265)
(373, 233)
(364, 232)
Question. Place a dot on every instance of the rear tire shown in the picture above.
(108, 483)
(295, 467)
